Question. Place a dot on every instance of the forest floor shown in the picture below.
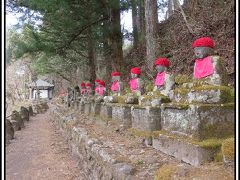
(39, 151)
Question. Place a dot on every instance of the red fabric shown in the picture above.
(89, 85)
(160, 79)
(136, 70)
(82, 84)
(97, 80)
(116, 73)
(97, 89)
(115, 86)
(133, 84)
(101, 90)
(203, 42)
(83, 91)
(203, 67)
(162, 61)
(101, 83)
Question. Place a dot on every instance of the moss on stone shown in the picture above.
(228, 149)
(166, 172)
(183, 78)
(210, 143)
(139, 133)
(176, 105)
(218, 157)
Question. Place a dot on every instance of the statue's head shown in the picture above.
(203, 47)
(115, 76)
(101, 83)
(135, 72)
(88, 85)
(82, 85)
(161, 64)
(96, 82)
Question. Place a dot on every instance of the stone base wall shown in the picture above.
(97, 161)
(200, 121)
(146, 118)
(122, 114)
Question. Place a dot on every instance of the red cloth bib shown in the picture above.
(83, 91)
(203, 68)
(160, 79)
(133, 84)
(115, 86)
(101, 90)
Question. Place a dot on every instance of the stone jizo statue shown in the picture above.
(116, 88)
(89, 91)
(164, 81)
(206, 65)
(83, 89)
(136, 83)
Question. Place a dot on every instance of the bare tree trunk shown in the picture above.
(134, 23)
(151, 16)
(142, 28)
(116, 36)
(91, 56)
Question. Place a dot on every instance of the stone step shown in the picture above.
(184, 151)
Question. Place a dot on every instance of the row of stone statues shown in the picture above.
(207, 67)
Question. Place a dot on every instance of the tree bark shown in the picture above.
(151, 17)
(142, 28)
(134, 23)
(91, 56)
(116, 36)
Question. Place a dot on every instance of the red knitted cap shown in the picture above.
(82, 84)
(101, 83)
(136, 70)
(89, 84)
(203, 42)
(116, 73)
(162, 61)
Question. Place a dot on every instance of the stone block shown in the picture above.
(95, 108)
(184, 151)
(30, 110)
(81, 107)
(17, 121)
(199, 121)
(106, 111)
(87, 108)
(146, 118)
(24, 113)
(204, 94)
(122, 114)
(9, 130)
(76, 105)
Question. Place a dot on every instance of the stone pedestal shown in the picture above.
(203, 94)
(76, 105)
(122, 114)
(95, 109)
(87, 108)
(81, 107)
(184, 151)
(146, 118)
(106, 111)
(199, 121)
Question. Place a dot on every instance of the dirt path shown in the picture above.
(40, 152)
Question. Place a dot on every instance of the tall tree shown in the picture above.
(151, 17)
(135, 23)
(116, 35)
